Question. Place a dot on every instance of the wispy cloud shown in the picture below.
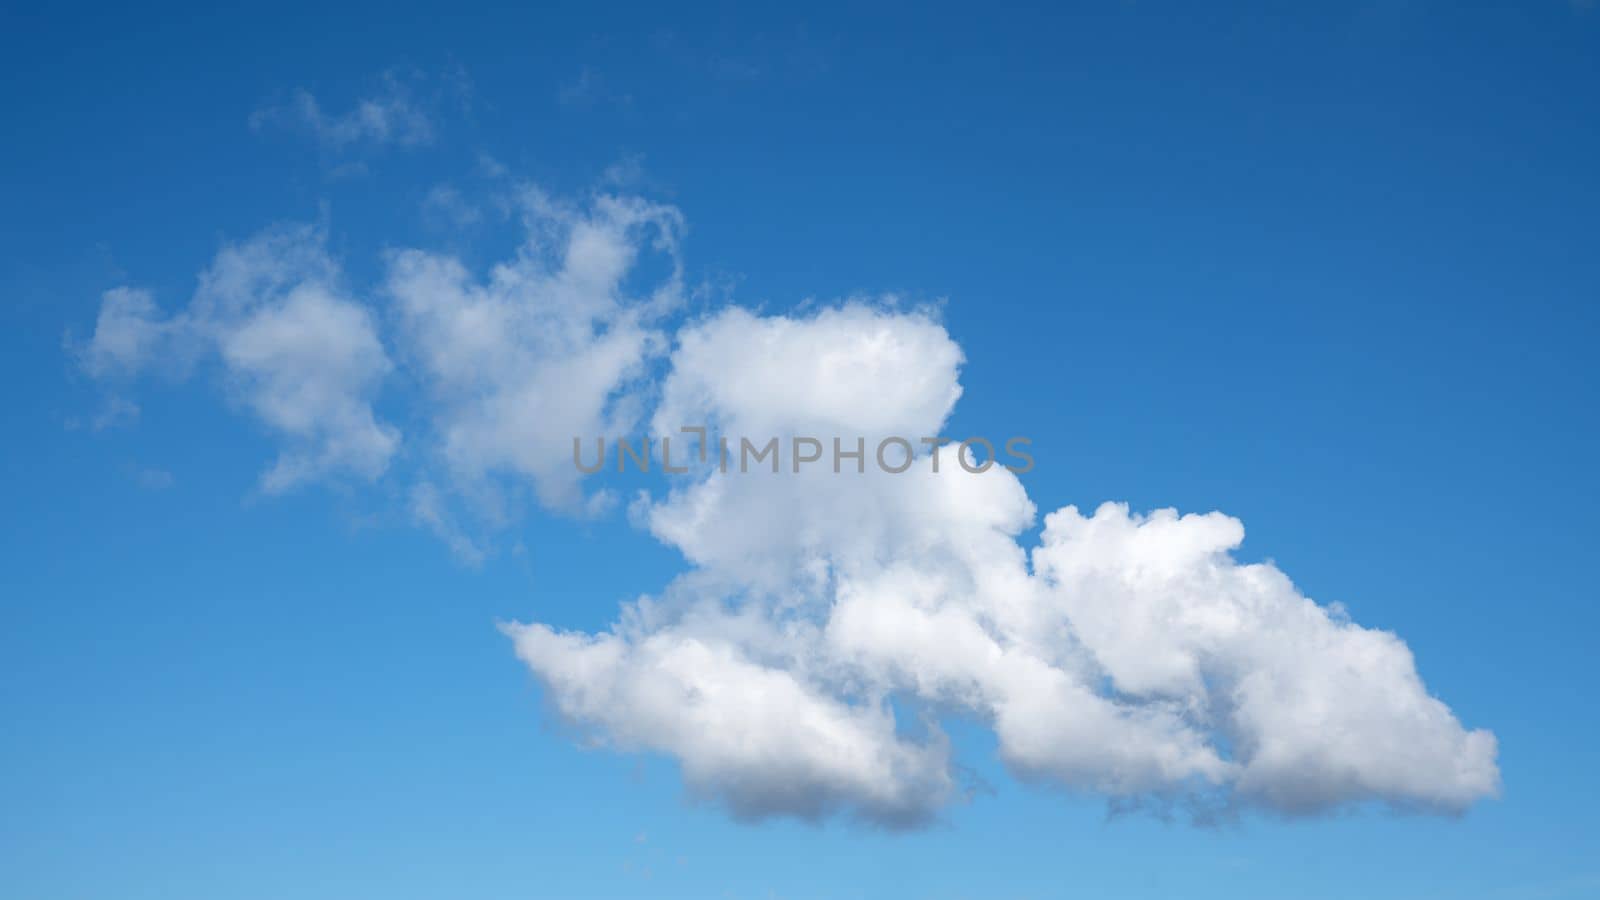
(429, 508)
(295, 347)
(401, 112)
(151, 478)
(446, 204)
(590, 87)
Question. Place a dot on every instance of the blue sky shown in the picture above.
(1329, 271)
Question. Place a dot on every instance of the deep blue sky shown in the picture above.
(1331, 269)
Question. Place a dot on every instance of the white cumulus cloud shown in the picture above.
(828, 622)
(1125, 655)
